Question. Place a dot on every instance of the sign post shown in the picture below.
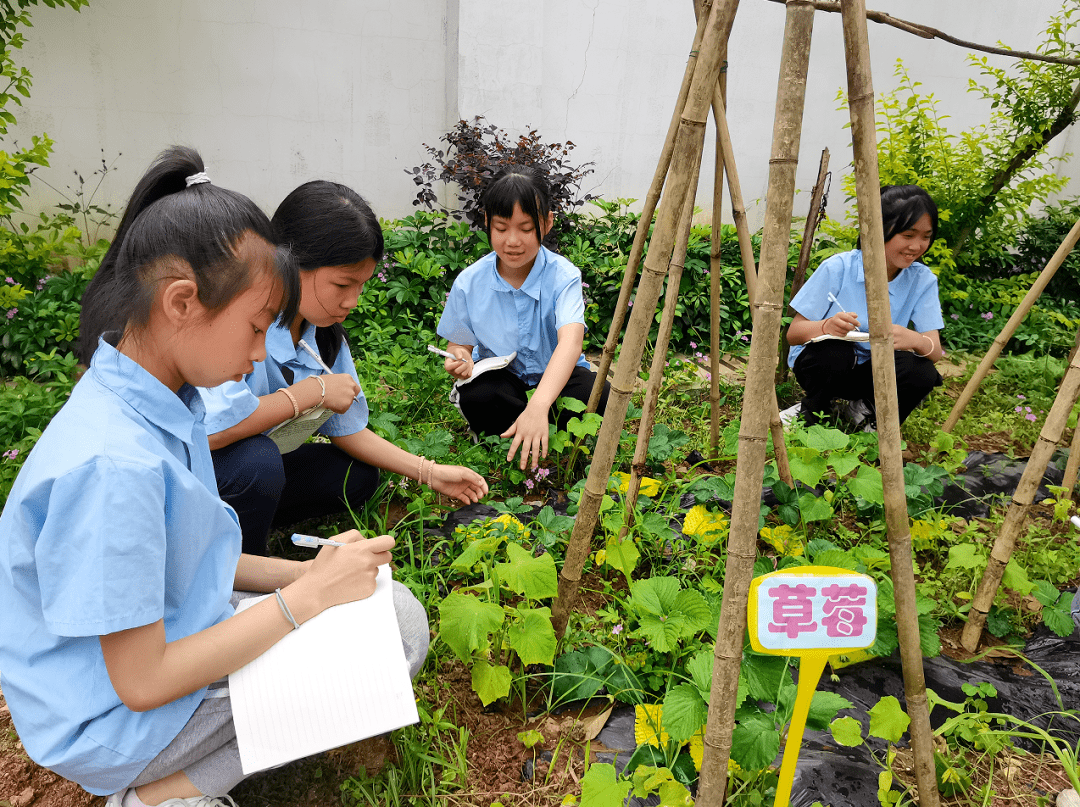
(810, 612)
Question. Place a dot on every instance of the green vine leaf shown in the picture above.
(531, 635)
(600, 788)
(888, 720)
(533, 578)
(466, 624)
(490, 683)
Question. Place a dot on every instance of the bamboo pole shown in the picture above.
(651, 199)
(1023, 497)
(813, 217)
(660, 352)
(1068, 480)
(1007, 332)
(898, 528)
(688, 144)
(716, 240)
(746, 252)
(760, 378)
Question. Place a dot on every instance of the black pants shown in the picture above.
(270, 489)
(494, 400)
(828, 370)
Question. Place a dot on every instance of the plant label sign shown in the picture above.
(812, 612)
(795, 611)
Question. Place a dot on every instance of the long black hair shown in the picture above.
(327, 224)
(168, 218)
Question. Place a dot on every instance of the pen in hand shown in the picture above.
(318, 358)
(832, 299)
(313, 540)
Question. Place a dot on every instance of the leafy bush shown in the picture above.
(476, 151)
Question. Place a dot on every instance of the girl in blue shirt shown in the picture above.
(521, 298)
(833, 368)
(336, 241)
(118, 560)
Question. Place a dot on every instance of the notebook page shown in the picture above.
(341, 678)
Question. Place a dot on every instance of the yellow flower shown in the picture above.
(924, 534)
(783, 539)
(620, 482)
(710, 527)
(601, 556)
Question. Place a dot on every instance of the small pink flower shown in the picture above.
(12, 312)
(1032, 418)
(12, 454)
(617, 629)
(693, 344)
(10, 280)
(529, 484)
(1021, 397)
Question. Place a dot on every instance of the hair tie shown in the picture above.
(197, 179)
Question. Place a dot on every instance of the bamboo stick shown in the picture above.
(660, 352)
(688, 144)
(716, 239)
(642, 232)
(1068, 481)
(767, 304)
(1007, 332)
(746, 252)
(898, 528)
(1068, 478)
(813, 218)
(1021, 502)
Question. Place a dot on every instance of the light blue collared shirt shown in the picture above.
(234, 401)
(485, 311)
(113, 523)
(913, 297)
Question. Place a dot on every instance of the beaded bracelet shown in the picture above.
(292, 400)
(420, 469)
(285, 609)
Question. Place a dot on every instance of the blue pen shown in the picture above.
(313, 541)
(832, 298)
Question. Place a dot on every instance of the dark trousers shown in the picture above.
(828, 370)
(270, 489)
(493, 400)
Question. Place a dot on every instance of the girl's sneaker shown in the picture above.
(117, 800)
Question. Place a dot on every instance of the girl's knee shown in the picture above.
(252, 465)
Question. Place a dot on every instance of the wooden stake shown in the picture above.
(642, 232)
(688, 144)
(1023, 497)
(1002, 338)
(813, 218)
(746, 252)
(715, 249)
(868, 195)
(660, 353)
(759, 387)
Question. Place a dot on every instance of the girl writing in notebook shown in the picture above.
(833, 304)
(336, 241)
(118, 560)
(522, 298)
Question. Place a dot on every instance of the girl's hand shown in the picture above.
(840, 324)
(460, 368)
(464, 484)
(341, 391)
(340, 574)
(530, 431)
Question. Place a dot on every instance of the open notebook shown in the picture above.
(850, 336)
(291, 434)
(340, 678)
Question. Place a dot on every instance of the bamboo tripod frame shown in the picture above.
(767, 301)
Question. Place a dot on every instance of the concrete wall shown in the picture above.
(275, 93)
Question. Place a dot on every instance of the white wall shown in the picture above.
(274, 93)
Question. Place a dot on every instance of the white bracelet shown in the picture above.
(285, 609)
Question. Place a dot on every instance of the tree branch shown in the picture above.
(926, 32)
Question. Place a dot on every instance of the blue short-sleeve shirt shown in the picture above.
(913, 297)
(485, 311)
(113, 523)
(234, 401)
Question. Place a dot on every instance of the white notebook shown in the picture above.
(294, 432)
(850, 336)
(340, 678)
